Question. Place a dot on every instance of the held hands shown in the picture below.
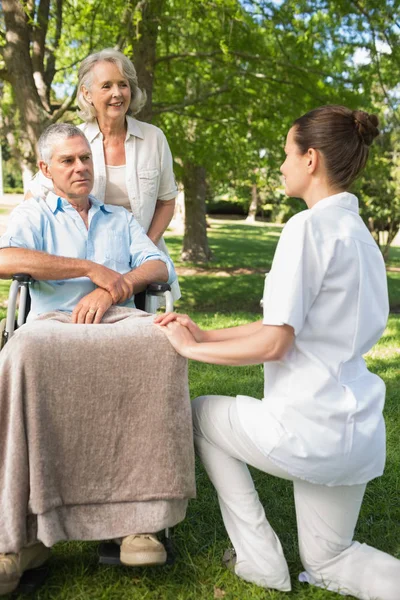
(197, 333)
(180, 338)
(181, 331)
(92, 307)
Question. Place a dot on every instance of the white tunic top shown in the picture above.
(321, 415)
(149, 172)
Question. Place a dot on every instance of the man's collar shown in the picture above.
(92, 129)
(98, 204)
(344, 200)
(56, 203)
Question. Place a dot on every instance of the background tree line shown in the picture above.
(224, 80)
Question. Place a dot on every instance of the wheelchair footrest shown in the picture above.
(32, 580)
(109, 552)
(169, 546)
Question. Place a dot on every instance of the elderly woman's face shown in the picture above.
(109, 92)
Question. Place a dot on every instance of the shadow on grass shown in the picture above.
(242, 292)
(221, 294)
(234, 246)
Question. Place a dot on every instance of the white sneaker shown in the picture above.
(142, 549)
(12, 566)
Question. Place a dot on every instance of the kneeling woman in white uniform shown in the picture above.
(320, 422)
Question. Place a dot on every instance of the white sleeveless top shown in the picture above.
(116, 190)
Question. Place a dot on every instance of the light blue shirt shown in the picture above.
(113, 239)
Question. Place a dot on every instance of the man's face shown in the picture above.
(70, 168)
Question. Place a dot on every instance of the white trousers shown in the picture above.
(326, 516)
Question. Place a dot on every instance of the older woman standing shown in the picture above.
(132, 159)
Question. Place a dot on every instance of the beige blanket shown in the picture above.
(95, 430)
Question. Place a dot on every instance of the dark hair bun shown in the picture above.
(366, 126)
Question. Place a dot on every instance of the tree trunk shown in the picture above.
(373, 230)
(251, 216)
(391, 234)
(20, 72)
(144, 49)
(195, 244)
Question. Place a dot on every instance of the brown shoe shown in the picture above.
(12, 566)
(142, 549)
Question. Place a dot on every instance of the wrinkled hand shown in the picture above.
(92, 307)
(180, 337)
(184, 320)
(111, 281)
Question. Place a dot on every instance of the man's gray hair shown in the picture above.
(54, 135)
(127, 70)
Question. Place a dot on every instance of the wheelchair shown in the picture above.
(17, 311)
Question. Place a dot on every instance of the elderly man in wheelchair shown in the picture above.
(95, 427)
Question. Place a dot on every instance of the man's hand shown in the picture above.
(111, 281)
(92, 307)
(185, 320)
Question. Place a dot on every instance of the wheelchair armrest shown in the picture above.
(20, 281)
(156, 288)
(22, 278)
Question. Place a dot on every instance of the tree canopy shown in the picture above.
(224, 80)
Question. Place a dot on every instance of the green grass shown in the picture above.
(4, 285)
(235, 244)
(394, 256)
(394, 290)
(217, 300)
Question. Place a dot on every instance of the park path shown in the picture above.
(7, 202)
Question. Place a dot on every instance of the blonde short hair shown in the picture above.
(88, 111)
